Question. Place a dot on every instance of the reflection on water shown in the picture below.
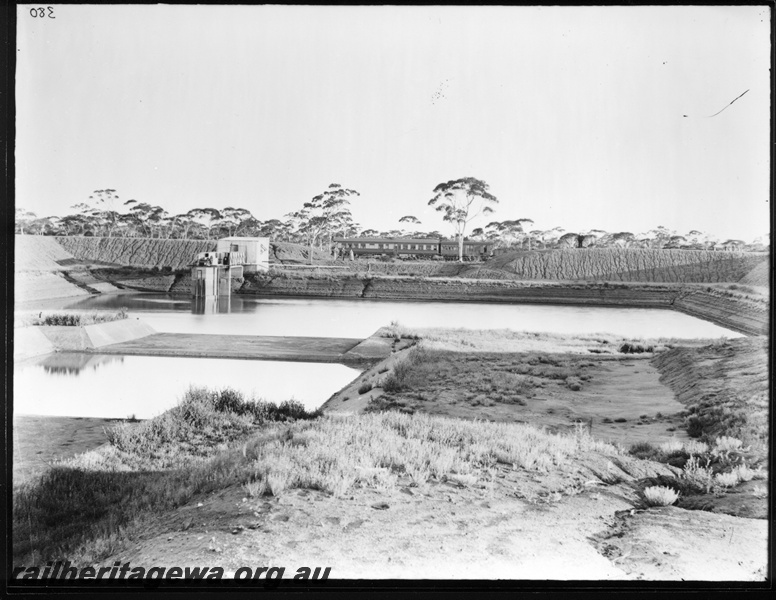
(122, 386)
(245, 315)
(72, 363)
(212, 305)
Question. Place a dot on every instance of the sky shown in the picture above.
(577, 117)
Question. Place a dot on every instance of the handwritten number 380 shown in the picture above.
(41, 12)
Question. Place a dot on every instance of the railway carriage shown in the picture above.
(471, 250)
(413, 247)
(406, 247)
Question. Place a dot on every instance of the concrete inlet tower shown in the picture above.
(212, 272)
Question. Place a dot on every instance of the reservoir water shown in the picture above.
(118, 387)
(241, 315)
(109, 386)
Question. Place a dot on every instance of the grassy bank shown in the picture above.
(85, 507)
(725, 388)
(88, 507)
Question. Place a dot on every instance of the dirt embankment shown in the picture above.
(452, 289)
(739, 312)
(139, 252)
(41, 270)
(724, 387)
(610, 264)
(759, 276)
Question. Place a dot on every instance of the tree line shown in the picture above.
(327, 215)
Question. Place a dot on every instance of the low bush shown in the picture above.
(658, 495)
(726, 444)
(404, 374)
(364, 388)
(634, 348)
(729, 479)
(201, 416)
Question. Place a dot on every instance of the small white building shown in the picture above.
(255, 251)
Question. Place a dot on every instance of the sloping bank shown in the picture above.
(727, 309)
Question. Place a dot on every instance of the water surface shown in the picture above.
(244, 315)
(110, 386)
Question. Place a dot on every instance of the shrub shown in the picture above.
(658, 495)
(694, 426)
(725, 445)
(727, 479)
(633, 348)
(744, 473)
(401, 376)
(256, 488)
(364, 388)
(699, 478)
(672, 445)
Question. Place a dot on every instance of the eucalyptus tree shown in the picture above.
(104, 209)
(233, 219)
(23, 220)
(460, 201)
(622, 239)
(323, 215)
(207, 218)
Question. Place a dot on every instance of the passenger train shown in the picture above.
(414, 247)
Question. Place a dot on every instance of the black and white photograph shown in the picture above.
(366, 293)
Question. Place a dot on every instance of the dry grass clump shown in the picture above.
(726, 444)
(372, 450)
(707, 468)
(658, 495)
(89, 507)
(699, 477)
(76, 319)
(729, 479)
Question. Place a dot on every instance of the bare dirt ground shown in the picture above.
(513, 527)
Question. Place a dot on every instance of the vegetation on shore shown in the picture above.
(87, 507)
(73, 319)
(507, 340)
(712, 468)
(725, 387)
